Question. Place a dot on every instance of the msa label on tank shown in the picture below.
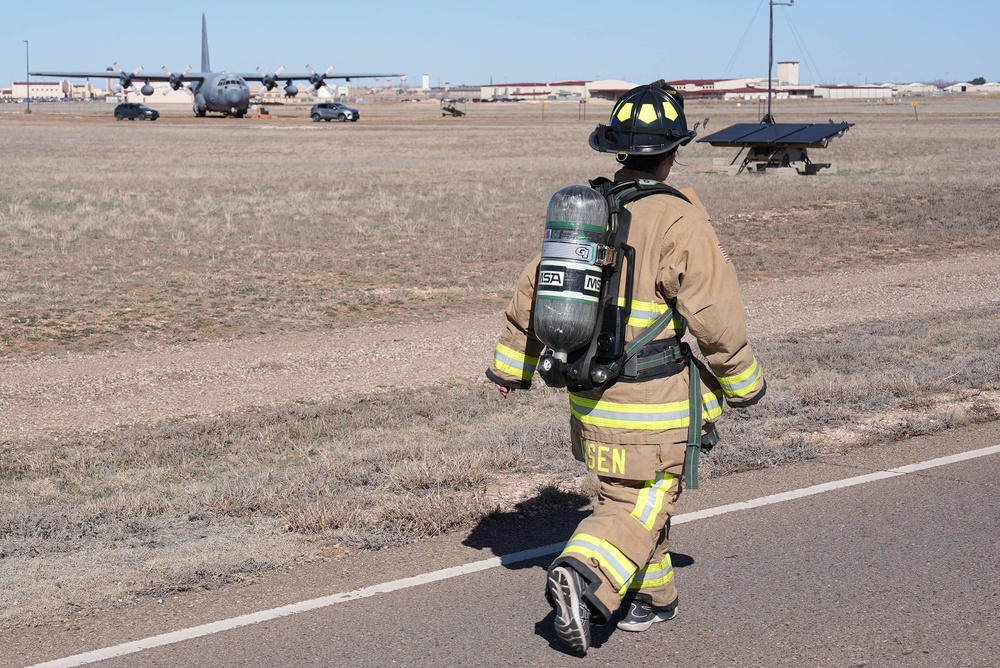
(551, 278)
(569, 281)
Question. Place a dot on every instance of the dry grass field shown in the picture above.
(127, 238)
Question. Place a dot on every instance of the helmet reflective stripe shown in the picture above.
(647, 112)
(642, 417)
(624, 112)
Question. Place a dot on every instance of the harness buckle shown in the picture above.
(606, 256)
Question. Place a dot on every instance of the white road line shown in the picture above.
(834, 485)
(486, 564)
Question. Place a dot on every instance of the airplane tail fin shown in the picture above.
(205, 66)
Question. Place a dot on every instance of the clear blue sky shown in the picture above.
(470, 42)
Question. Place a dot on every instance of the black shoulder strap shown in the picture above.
(629, 191)
(618, 196)
(612, 319)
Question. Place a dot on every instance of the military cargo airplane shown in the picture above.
(220, 92)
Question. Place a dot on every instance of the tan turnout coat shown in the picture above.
(632, 430)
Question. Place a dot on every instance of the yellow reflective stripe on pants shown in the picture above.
(650, 501)
(646, 417)
(653, 575)
(513, 362)
(741, 384)
(610, 558)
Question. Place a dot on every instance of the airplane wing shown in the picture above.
(125, 79)
(193, 76)
(77, 75)
(285, 76)
(316, 79)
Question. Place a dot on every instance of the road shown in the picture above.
(897, 571)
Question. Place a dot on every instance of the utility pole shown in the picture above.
(27, 78)
(770, 55)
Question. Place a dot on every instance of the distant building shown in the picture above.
(867, 92)
(785, 87)
(51, 90)
(915, 89)
(20, 90)
(992, 87)
(610, 89)
(506, 91)
(717, 88)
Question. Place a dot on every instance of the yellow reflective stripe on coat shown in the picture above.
(513, 362)
(650, 501)
(616, 564)
(653, 575)
(644, 314)
(742, 384)
(645, 417)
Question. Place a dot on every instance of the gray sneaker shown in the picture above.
(572, 622)
(641, 615)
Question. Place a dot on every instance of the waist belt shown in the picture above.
(656, 360)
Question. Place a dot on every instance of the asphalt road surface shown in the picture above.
(894, 571)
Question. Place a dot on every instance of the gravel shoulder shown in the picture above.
(97, 391)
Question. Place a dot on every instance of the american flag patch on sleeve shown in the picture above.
(724, 253)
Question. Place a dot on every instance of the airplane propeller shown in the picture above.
(269, 81)
(319, 80)
(176, 80)
(126, 79)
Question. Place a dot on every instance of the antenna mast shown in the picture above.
(770, 55)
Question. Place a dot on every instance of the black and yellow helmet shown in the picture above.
(647, 120)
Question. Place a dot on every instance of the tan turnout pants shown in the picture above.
(622, 548)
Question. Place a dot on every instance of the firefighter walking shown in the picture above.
(642, 406)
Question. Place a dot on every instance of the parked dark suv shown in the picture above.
(327, 111)
(134, 110)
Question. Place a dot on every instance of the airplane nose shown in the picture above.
(233, 97)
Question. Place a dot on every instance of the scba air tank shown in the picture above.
(569, 280)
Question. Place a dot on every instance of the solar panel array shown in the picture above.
(805, 135)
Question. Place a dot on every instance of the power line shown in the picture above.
(802, 47)
(739, 47)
